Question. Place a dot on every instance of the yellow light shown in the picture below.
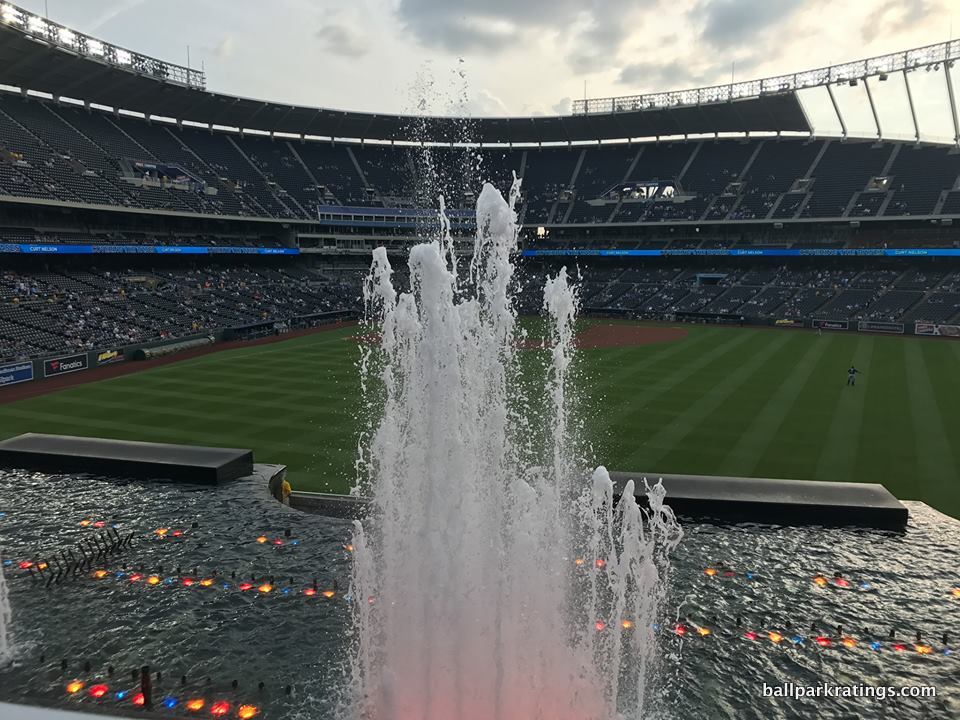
(923, 649)
(153, 580)
(196, 704)
(820, 581)
(161, 531)
(84, 522)
(206, 582)
(348, 548)
(265, 588)
(578, 562)
(956, 592)
(74, 687)
(711, 571)
(42, 566)
(703, 631)
(775, 637)
(245, 712)
(626, 624)
(848, 642)
(100, 574)
(328, 594)
(262, 539)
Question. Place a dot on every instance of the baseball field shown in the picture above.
(692, 399)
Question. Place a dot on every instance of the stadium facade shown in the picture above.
(164, 210)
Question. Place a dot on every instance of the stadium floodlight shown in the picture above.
(57, 35)
(929, 57)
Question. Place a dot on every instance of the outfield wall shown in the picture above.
(55, 366)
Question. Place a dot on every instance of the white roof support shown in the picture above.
(873, 108)
(913, 110)
(836, 109)
(953, 103)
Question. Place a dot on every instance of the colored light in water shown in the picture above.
(138, 700)
(121, 694)
(262, 539)
(823, 641)
(278, 541)
(750, 575)
(750, 635)
(42, 566)
(729, 573)
(348, 547)
(161, 531)
(309, 592)
(626, 624)
(955, 592)
(99, 524)
(294, 542)
(220, 708)
(74, 687)
(710, 571)
(136, 577)
(98, 691)
(866, 586)
(841, 582)
(600, 562)
(196, 704)
(245, 586)
(600, 625)
(187, 582)
(900, 647)
(84, 523)
(153, 580)
(703, 631)
(875, 645)
(328, 594)
(797, 639)
(245, 712)
(25, 565)
(680, 629)
(849, 642)
(578, 562)
(177, 533)
(170, 702)
(820, 581)
(923, 649)
(265, 588)
(775, 637)
(206, 582)
(371, 600)
(7, 563)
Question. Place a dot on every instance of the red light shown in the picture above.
(177, 533)
(187, 582)
(138, 700)
(600, 562)
(600, 625)
(371, 600)
(680, 629)
(136, 577)
(309, 592)
(729, 573)
(841, 582)
(245, 586)
(278, 541)
(220, 708)
(99, 524)
(98, 691)
(823, 641)
(900, 647)
(750, 635)
(25, 565)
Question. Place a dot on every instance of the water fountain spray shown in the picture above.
(468, 604)
(6, 617)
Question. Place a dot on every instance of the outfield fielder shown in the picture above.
(852, 375)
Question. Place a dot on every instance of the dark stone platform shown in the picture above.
(123, 458)
(781, 502)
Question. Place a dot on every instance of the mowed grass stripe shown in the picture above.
(744, 456)
(670, 436)
(839, 451)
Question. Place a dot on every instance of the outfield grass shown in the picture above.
(729, 401)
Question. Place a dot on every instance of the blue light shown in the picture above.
(797, 639)
(7, 563)
(750, 575)
(170, 702)
(866, 586)
(286, 591)
(120, 574)
(294, 542)
(875, 645)
(226, 586)
(122, 694)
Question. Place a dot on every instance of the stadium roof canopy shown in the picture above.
(38, 55)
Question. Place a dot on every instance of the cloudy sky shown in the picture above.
(498, 56)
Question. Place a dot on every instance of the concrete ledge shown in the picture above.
(65, 453)
(782, 502)
(339, 506)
